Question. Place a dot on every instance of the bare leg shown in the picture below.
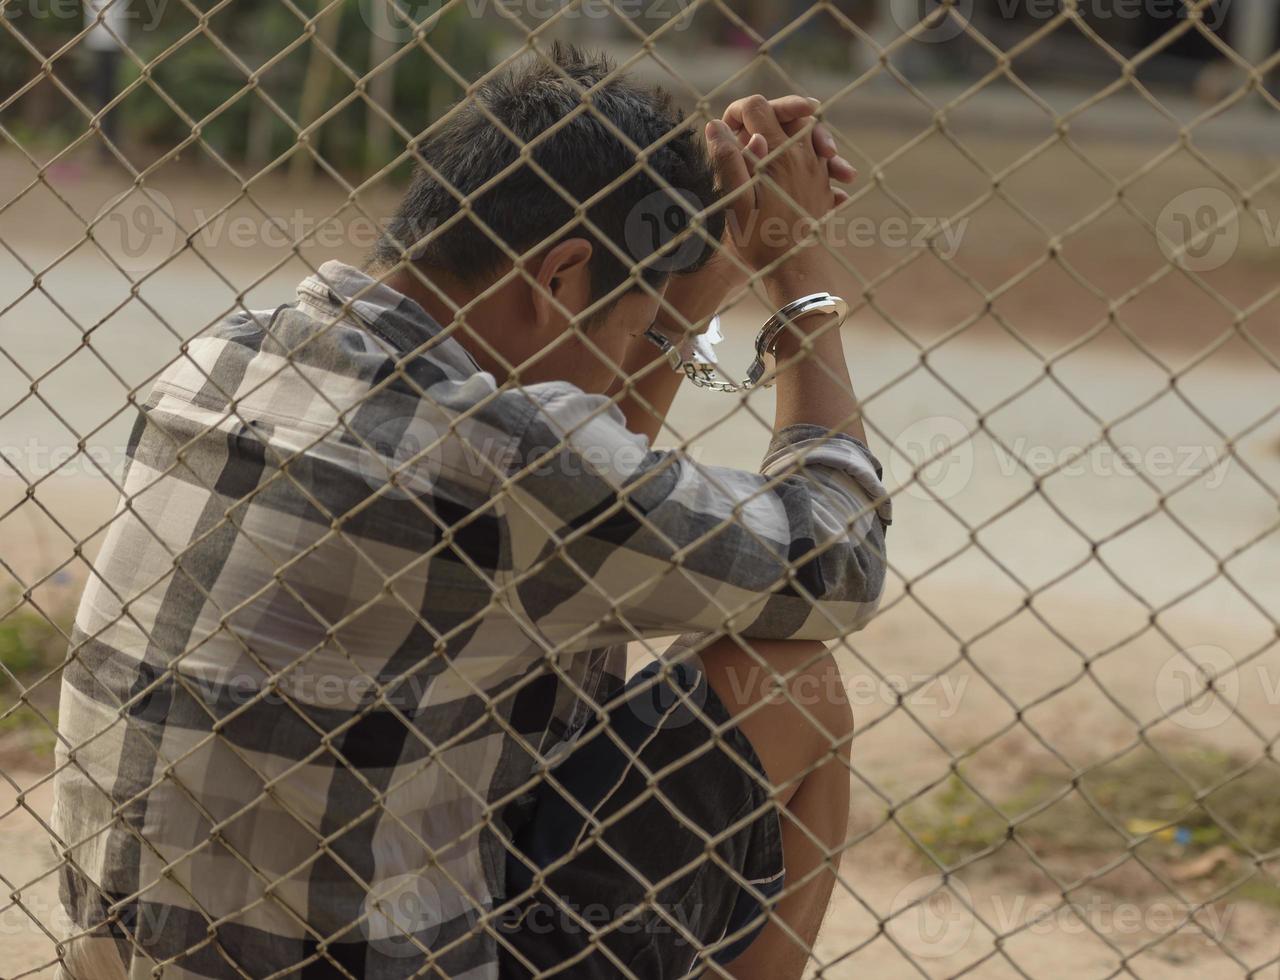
(802, 737)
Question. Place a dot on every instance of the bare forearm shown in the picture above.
(690, 301)
(813, 383)
(653, 388)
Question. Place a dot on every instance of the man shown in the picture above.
(346, 695)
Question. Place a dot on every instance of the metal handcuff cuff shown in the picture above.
(700, 364)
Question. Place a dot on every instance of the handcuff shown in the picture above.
(697, 357)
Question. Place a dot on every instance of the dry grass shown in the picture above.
(1193, 817)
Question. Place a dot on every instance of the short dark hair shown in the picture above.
(646, 219)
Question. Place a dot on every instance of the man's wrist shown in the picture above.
(803, 275)
(808, 318)
(810, 330)
(698, 296)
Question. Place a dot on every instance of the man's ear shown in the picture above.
(563, 279)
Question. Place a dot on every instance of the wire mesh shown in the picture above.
(1045, 774)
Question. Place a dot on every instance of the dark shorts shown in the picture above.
(688, 857)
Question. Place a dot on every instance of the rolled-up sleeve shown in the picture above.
(609, 540)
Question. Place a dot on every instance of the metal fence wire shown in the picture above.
(1063, 753)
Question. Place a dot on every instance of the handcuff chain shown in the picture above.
(701, 368)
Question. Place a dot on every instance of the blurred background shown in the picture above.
(239, 67)
(1063, 254)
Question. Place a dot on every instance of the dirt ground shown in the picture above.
(1040, 605)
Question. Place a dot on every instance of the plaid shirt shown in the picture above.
(297, 683)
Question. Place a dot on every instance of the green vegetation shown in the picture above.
(29, 643)
(30, 647)
(208, 81)
(1197, 812)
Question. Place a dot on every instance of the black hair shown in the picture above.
(646, 219)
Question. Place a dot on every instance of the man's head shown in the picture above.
(581, 135)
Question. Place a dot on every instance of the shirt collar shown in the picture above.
(386, 313)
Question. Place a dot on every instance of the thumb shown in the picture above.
(732, 176)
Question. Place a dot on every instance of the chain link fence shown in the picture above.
(1063, 297)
